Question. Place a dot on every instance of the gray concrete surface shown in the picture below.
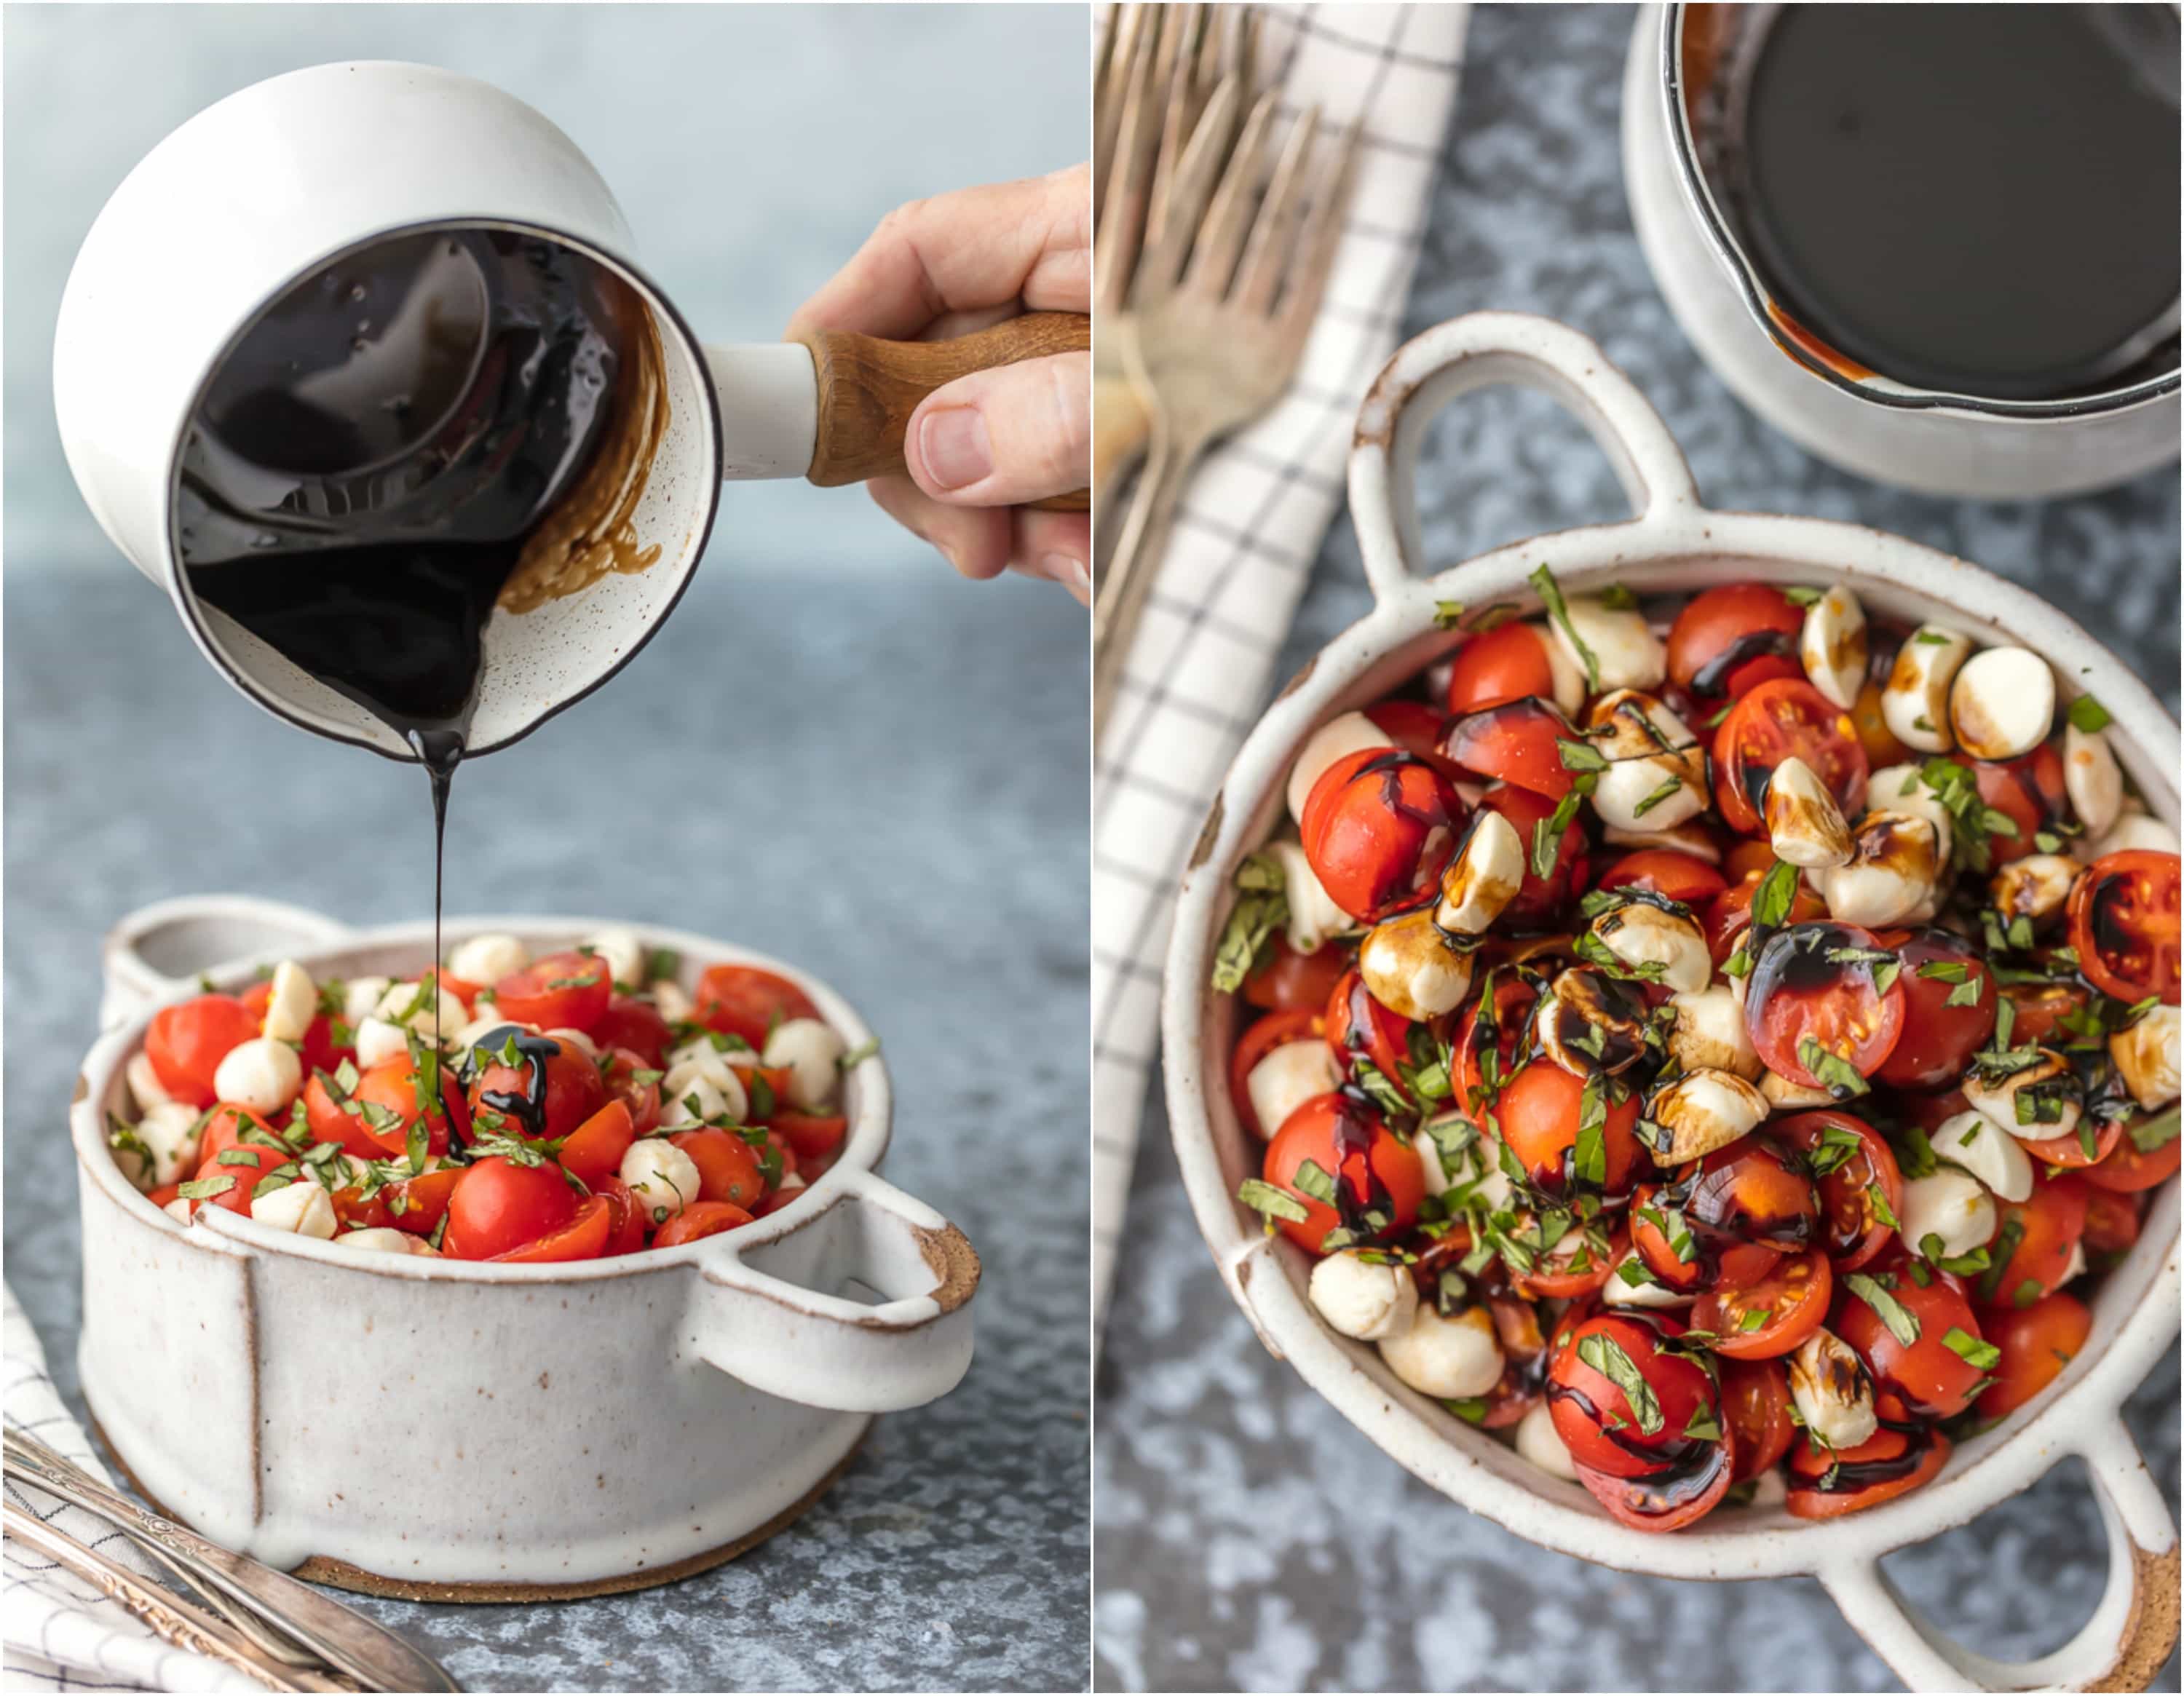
(836, 751)
(1249, 1537)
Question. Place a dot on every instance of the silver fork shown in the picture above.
(1224, 304)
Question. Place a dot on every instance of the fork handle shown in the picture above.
(869, 387)
(1128, 579)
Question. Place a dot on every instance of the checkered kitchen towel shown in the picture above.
(59, 1632)
(1248, 527)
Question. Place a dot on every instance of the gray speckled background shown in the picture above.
(836, 751)
(1248, 1537)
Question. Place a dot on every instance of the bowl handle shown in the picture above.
(156, 953)
(2133, 1628)
(1477, 351)
(779, 1335)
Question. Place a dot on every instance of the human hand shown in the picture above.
(979, 448)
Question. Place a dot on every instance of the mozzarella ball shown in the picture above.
(1704, 1110)
(416, 1007)
(2130, 831)
(1658, 791)
(301, 1207)
(377, 1040)
(671, 1001)
(1540, 1443)
(1785, 1096)
(488, 959)
(1903, 789)
(168, 1132)
(1831, 645)
(622, 952)
(1710, 1032)
(261, 1075)
(1832, 1391)
(360, 998)
(462, 1042)
(385, 1239)
(1982, 1149)
(1313, 915)
(1628, 653)
(1647, 1292)
(1287, 1077)
(576, 1041)
(1640, 934)
(693, 1100)
(1630, 723)
(2091, 779)
(710, 1068)
(1484, 878)
(180, 1211)
(292, 1003)
(664, 1178)
(1684, 839)
(2035, 1103)
(1804, 825)
(1893, 877)
(2075, 1267)
(142, 1077)
(1346, 733)
(1450, 1358)
(1589, 1022)
(1366, 1299)
(1915, 702)
(1413, 969)
(2001, 704)
(1566, 677)
(1950, 1204)
(2145, 1053)
(812, 1050)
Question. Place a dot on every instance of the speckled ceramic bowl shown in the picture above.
(462, 1432)
(1673, 542)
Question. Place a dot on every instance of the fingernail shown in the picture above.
(952, 442)
(1069, 571)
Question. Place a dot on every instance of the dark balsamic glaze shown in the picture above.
(1712, 677)
(366, 466)
(526, 1106)
(2111, 928)
(1846, 1476)
(1360, 1193)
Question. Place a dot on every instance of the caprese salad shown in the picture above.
(1709, 1039)
(503, 1107)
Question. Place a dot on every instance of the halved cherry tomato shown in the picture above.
(418, 1203)
(2029, 792)
(1724, 633)
(699, 1218)
(1285, 980)
(1729, 912)
(498, 1206)
(187, 1042)
(727, 1169)
(767, 1087)
(633, 1023)
(2041, 1009)
(222, 1153)
(571, 1090)
(1361, 1032)
(395, 1087)
(1744, 857)
(1688, 1495)
(814, 1136)
(1379, 826)
(1726, 1221)
(1378, 1183)
(1680, 876)
(1539, 1112)
(1594, 1413)
(1517, 743)
(332, 1122)
(2130, 1169)
(569, 991)
(1513, 997)
(1502, 664)
(318, 1049)
(2112, 1221)
(1275, 1030)
(595, 1148)
(2047, 1226)
(1755, 1412)
(1816, 983)
(584, 1237)
(1854, 1215)
(748, 1002)
(1772, 1316)
(352, 1211)
(2124, 924)
(1415, 728)
(1539, 901)
(1771, 724)
(625, 1233)
(1573, 1267)
(2087, 1146)
(1524, 1355)
(2036, 1344)
(1881, 747)
(1934, 1379)
(634, 1082)
(1941, 1030)
(1827, 1483)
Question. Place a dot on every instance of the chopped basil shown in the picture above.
(1551, 597)
(1831, 1071)
(1607, 1357)
(1902, 1324)
(1777, 892)
(1271, 1203)
(1971, 1350)
(1799, 595)
(2089, 715)
(1447, 614)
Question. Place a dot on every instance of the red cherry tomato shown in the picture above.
(595, 1148)
(1815, 983)
(1502, 664)
(222, 1153)
(1285, 980)
(1539, 901)
(2029, 792)
(394, 1088)
(1771, 724)
(699, 1218)
(1726, 1221)
(727, 1169)
(813, 1135)
(1378, 1183)
(2124, 924)
(187, 1042)
(2041, 1009)
(2047, 1225)
(744, 1001)
(1862, 1189)
(1729, 912)
(584, 1237)
(1940, 1032)
(1362, 1031)
(2036, 1344)
(2112, 1221)
(1664, 1504)
(635, 1083)
(1933, 1378)
(1827, 1483)
(567, 992)
(1539, 1112)
(1726, 632)
(625, 1227)
(1416, 728)
(1517, 743)
(1772, 1316)
(1379, 826)
(632, 1023)
(1573, 1267)
(547, 1094)
(331, 1122)
(2087, 1146)
(1593, 1409)
(1682, 877)
(417, 1204)
(2129, 1170)
(1477, 1029)
(1756, 1412)
(498, 1206)
(1275, 1030)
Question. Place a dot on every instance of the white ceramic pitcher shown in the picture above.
(268, 185)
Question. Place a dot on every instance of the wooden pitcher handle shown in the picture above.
(868, 388)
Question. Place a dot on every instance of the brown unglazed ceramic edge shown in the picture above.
(321, 1568)
(2151, 1632)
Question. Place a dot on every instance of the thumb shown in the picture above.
(1001, 437)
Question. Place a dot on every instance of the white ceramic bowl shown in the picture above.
(462, 1432)
(1673, 542)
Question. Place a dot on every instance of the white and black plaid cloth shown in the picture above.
(60, 1633)
(1248, 528)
